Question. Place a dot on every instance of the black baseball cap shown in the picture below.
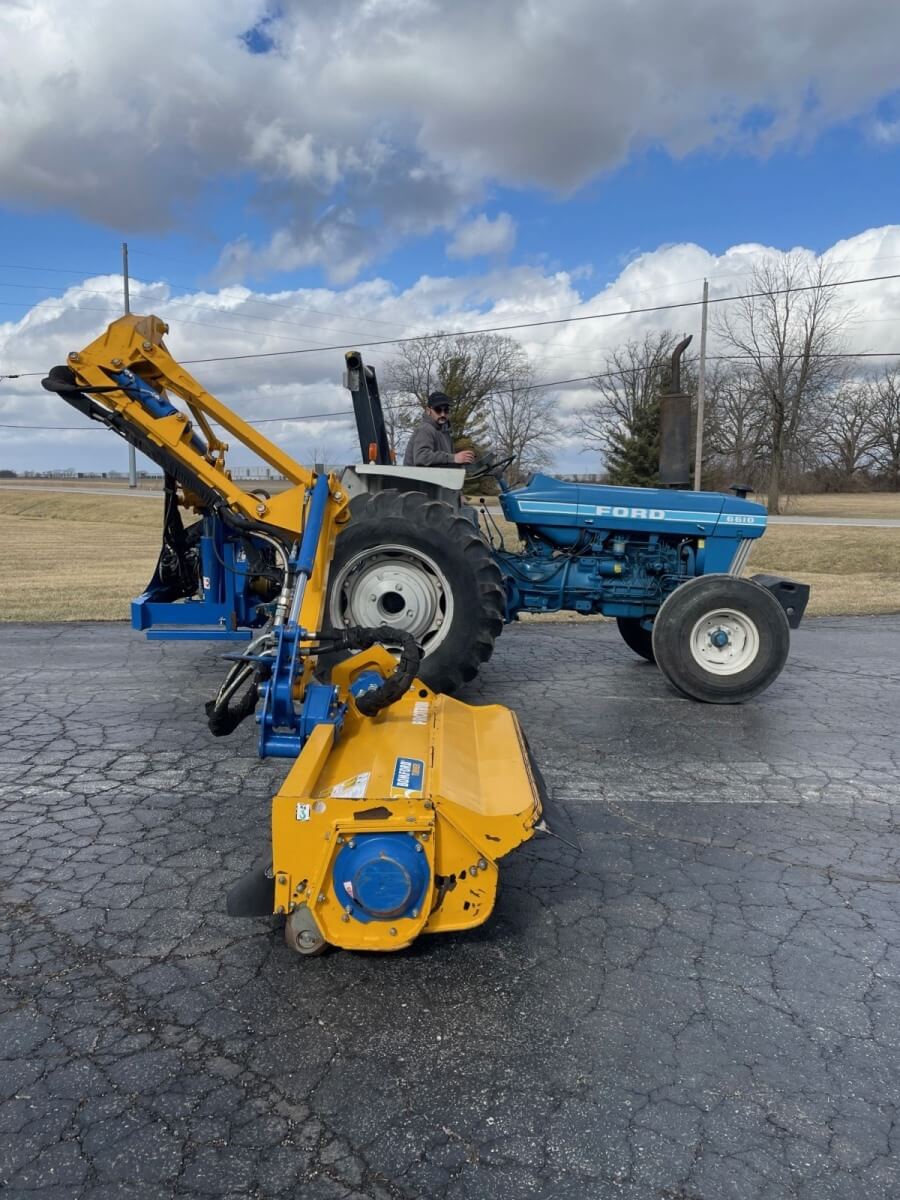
(439, 400)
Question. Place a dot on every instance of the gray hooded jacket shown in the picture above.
(429, 446)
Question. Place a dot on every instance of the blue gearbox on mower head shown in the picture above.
(381, 876)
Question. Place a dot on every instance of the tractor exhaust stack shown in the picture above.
(675, 427)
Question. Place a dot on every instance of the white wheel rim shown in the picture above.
(397, 586)
(724, 642)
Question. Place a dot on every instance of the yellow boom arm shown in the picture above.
(135, 344)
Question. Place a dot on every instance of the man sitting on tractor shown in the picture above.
(431, 444)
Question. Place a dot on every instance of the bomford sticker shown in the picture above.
(409, 775)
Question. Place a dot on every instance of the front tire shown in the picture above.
(414, 563)
(636, 637)
(721, 639)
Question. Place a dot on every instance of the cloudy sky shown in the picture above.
(294, 176)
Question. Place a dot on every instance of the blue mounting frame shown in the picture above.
(283, 727)
(225, 608)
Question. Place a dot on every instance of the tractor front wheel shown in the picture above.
(414, 563)
(636, 637)
(721, 639)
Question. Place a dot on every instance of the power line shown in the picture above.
(594, 375)
(194, 289)
(180, 301)
(622, 312)
(586, 355)
(713, 276)
(578, 379)
(38, 306)
(255, 299)
(342, 414)
(416, 337)
(55, 270)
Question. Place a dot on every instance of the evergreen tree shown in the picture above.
(633, 455)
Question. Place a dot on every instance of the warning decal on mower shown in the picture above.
(409, 775)
(351, 789)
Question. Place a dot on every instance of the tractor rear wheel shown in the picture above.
(721, 639)
(414, 563)
(636, 637)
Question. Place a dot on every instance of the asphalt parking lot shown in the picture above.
(701, 1004)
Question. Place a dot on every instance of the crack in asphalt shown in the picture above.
(704, 1002)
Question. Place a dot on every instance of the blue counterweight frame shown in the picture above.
(226, 608)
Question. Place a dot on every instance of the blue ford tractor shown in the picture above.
(666, 564)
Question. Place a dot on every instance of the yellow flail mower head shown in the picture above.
(399, 803)
(395, 827)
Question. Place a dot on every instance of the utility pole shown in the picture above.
(701, 389)
(132, 459)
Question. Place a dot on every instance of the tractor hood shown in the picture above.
(558, 509)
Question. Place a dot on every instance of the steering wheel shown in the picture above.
(487, 465)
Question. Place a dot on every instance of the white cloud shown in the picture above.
(482, 236)
(886, 133)
(124, 118)
(237, 320)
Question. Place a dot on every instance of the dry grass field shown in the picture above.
(852, 571)
(851, 504)
(70, 557)
(75, 558)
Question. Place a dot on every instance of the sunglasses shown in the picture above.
(441, 408)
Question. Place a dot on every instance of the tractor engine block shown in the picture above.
(611, 574)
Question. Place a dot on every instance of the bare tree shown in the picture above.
(396, 417)
(627, 387)
(735, 423)
(787, 328)
(523, 425)
(469, 369)
(886, 417)
(850, 432)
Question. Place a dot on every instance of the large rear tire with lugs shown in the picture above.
(414, 563)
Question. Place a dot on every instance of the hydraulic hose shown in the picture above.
(223, 717)
(224, 714)
(398, 683)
